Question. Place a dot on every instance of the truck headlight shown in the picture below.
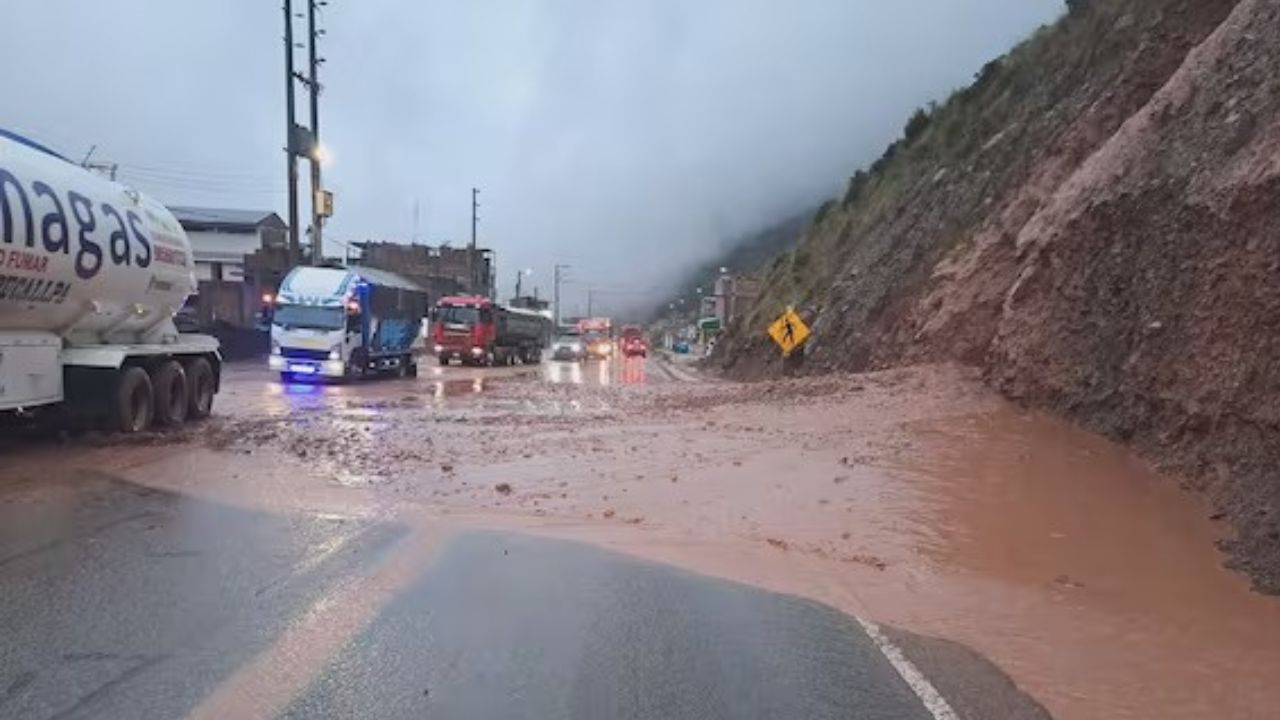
(477, 351)
(437, 348)
(275, 348)
(335, 352)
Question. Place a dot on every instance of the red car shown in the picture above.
(633, 342)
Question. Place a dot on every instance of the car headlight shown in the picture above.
(335, 352)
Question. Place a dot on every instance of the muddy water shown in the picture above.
(1102, 573)
(1065, 559)
(915, 498)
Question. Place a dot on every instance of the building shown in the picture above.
(439, 269)
(221, 238)
(733, 295)
(531, 302)
(239, 256)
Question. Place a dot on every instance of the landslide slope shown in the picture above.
(1096, 223)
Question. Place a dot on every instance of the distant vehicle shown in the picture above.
(680, 347)
(568, 347)
(477, 331)
(345, 322)
(93, 274)
(599, 346)
(633, 342)
(596, 325)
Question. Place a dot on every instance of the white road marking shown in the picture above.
(919, 684)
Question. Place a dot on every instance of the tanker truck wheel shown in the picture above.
(133, 401)
(170, 383)
(199, 389)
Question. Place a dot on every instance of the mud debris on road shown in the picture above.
(914, 496)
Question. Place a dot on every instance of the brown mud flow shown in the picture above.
(915, 497)
(1095, 223)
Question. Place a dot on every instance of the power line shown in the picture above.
(187, 170)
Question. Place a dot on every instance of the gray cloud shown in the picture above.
(627, 138)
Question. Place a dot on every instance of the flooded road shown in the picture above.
(914, 498)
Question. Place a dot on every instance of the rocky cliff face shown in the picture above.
(1096, 223)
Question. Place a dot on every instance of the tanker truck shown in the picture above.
(91, 275)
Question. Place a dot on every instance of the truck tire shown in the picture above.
(411, 366)
(200, 389)
(133, 405)
(169, 384)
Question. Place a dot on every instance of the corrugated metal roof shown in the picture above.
(225, 217)
(384, 278)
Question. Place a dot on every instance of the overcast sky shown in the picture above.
(627, 138)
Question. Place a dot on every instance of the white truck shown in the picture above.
(91, 274)
(346, 322)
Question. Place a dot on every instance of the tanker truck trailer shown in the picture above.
(91, 274)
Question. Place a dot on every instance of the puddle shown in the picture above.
(1087, 565)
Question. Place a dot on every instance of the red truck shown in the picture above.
(477, 331)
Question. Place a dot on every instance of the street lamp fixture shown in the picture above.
(320, 153)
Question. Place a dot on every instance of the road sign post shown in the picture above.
(789, 331)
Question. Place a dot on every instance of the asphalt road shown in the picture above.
(515, 627)
(124, 601)
(129, 603)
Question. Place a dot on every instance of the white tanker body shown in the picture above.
(91, 274)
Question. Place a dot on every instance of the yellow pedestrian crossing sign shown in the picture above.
(789, 331)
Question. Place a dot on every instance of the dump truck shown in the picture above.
(477, 331)
(91, 275)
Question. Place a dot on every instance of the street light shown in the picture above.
(320, 153)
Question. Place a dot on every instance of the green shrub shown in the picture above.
(916, 125)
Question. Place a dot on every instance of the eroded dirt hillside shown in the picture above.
(1094, 223)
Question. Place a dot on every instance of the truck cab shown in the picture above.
(463, 329)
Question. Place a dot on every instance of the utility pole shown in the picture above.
(559, 277)
(313, 84)
(471, 252)
(589, 304)
(290, 134)
(520, 276)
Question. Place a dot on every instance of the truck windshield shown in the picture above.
(458, 315)
(309, 316)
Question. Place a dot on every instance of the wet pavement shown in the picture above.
(499, 542)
